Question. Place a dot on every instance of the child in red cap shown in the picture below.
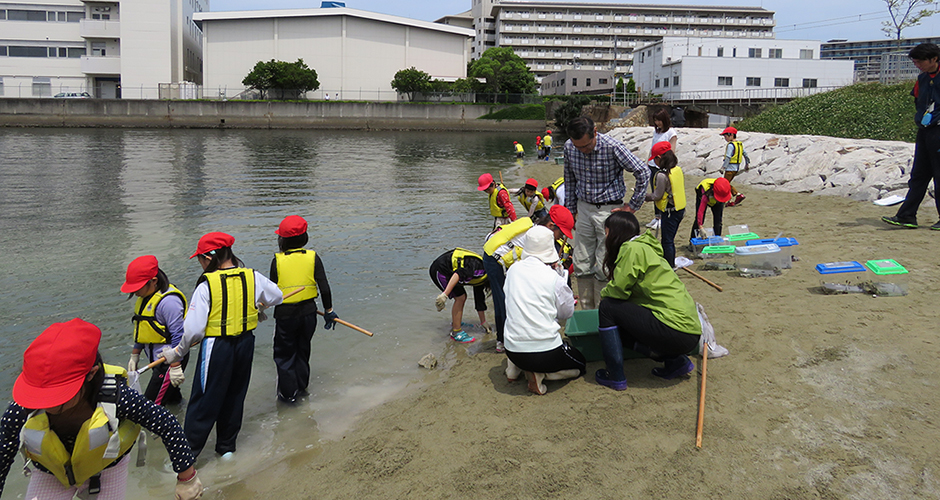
(532, 200)
(295, 320)
(500, 203)
(734, 156)
(65, 394)
(710, 193)
(668, 195)
(222, 317)
(158, 323)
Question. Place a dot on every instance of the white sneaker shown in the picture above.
(512, 371)
(500, 347)
(654, 224)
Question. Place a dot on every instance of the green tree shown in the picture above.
(411, 81)
(905, 14)
(619, 88)
(630, 87)
(464, 85)
(281, 79)
(503, 71)
(570, 110)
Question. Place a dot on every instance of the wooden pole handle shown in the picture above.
(701, 399)
(699, 276)
(346, 323)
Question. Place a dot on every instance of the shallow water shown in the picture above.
(77, 205)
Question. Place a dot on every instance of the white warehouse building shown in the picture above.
(355, 53)
(108, 48)
(685, 68)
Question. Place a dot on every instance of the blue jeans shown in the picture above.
(669, 226)
(497, 276)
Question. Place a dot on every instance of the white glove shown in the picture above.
(176, 375)
(132, 364)
(486, 328)
(440, 302)
(171, 355)
(189, 490)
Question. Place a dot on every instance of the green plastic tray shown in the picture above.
(884, 267)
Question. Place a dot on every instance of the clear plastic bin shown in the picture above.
(891, 278)
(752, 258)
(698, 244)
(786, 248)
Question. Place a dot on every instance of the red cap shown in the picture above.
(213, 241)
(514, 142)
(562, 218)
(531, 183)
(292, 225)
(729, 130)
(139, 272)
(545, 193)
(485, 181)
(660, 148)
(549, 132)
(56, 363)
(721, 190)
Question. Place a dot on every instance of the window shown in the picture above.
(725, 81)
(642, 57)
(752, 81)
(74, 17)
(602, 81)
(809, 83)
(76, 53)
(734, 52)
(574, 82)
(775, 53)
(20, 51)
(675, 80)
(721, 52)
(806, 53)
(588, 84)
(42, 86)
(656, 83)
(753, 53)
(666, 82)
(26, 15)
(781, 82)
(3, 50)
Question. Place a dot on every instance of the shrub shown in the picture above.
(518, 112)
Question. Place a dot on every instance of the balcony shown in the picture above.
(93, 28)
(95, 65)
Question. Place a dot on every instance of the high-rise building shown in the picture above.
(868, 57)
(110, 49)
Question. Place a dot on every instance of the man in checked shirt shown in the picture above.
(594, 166)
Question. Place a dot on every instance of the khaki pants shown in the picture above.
(589, 252)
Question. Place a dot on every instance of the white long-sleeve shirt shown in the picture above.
(536, 296)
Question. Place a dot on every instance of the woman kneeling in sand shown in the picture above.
(537, 294)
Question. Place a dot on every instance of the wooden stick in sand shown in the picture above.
(699, 276)
(701, 399)
(350, 325)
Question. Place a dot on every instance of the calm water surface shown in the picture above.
(76, 206)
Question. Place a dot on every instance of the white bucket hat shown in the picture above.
(540, 243)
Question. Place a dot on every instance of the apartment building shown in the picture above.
(870, 65)
(110, 49)
(555, 36)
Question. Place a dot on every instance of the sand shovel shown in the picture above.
(346, 323)
(701, 399)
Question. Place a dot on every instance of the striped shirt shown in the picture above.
(598, 177)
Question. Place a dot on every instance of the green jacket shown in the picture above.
(644, 278)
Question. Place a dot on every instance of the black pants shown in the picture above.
(717, 210)
(172, 395)
(563, 357)
(926, 167)
(637, 324)
(292, 336)
(223, 371)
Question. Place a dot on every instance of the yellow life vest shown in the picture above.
(540, 205)
(101, 441)
(738, 152)
(496, 210)
(558, 182)
(504, 237)
(232, 293)
(147, 330)
(707, 185)
(519, 148)
(456, 262)
(677, 181)
(547, 141)
(295, 269)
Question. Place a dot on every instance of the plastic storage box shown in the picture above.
(766, 257)
(723, 254)
(698, 244)
(891, 278)
(841, 277)
(786, 248)
(738, 229)
(742, 238)
(581, 331)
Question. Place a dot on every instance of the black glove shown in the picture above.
(330, 320)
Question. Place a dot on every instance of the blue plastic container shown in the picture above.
(700, 243)
(786, 248)
(840, 267)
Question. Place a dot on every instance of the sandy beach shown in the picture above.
(821, 396)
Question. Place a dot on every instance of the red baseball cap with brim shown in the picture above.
(531, 183)
(721, 190)
(213, 241)
(484, 182)
(729, 130)
(139, 272)
(562, 218)
(56, 363)
(292, 225)
(659, 148)
(546, 194)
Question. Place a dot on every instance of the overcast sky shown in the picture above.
(796, 19)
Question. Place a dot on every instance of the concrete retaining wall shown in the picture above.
(16, 112)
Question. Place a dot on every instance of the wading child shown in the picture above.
(520, 151)
(547, 145)
(734, 155)
(79, 420)
(295, 319)
(532, 200)
(538, 146)
(450, 272)
(669, 196)
(710, 193)
(158, 323)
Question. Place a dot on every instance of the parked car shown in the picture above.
(72, 95)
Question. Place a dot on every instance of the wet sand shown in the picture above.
(821, 396)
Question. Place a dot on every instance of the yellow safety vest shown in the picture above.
(101, 441)
(232, 293)
(519, 148)
(565, 251)
(526, 203)
(707, 185)
(147, 330)
(496, 210)
(504, 237)
(456, 262)
(738, 152)
(557, 184)
(547, 141)
(295, 269)
(677, 180)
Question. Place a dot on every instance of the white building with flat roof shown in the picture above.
(355, 53)
(728, 68)
(110, 49)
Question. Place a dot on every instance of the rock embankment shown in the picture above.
(859, 169)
